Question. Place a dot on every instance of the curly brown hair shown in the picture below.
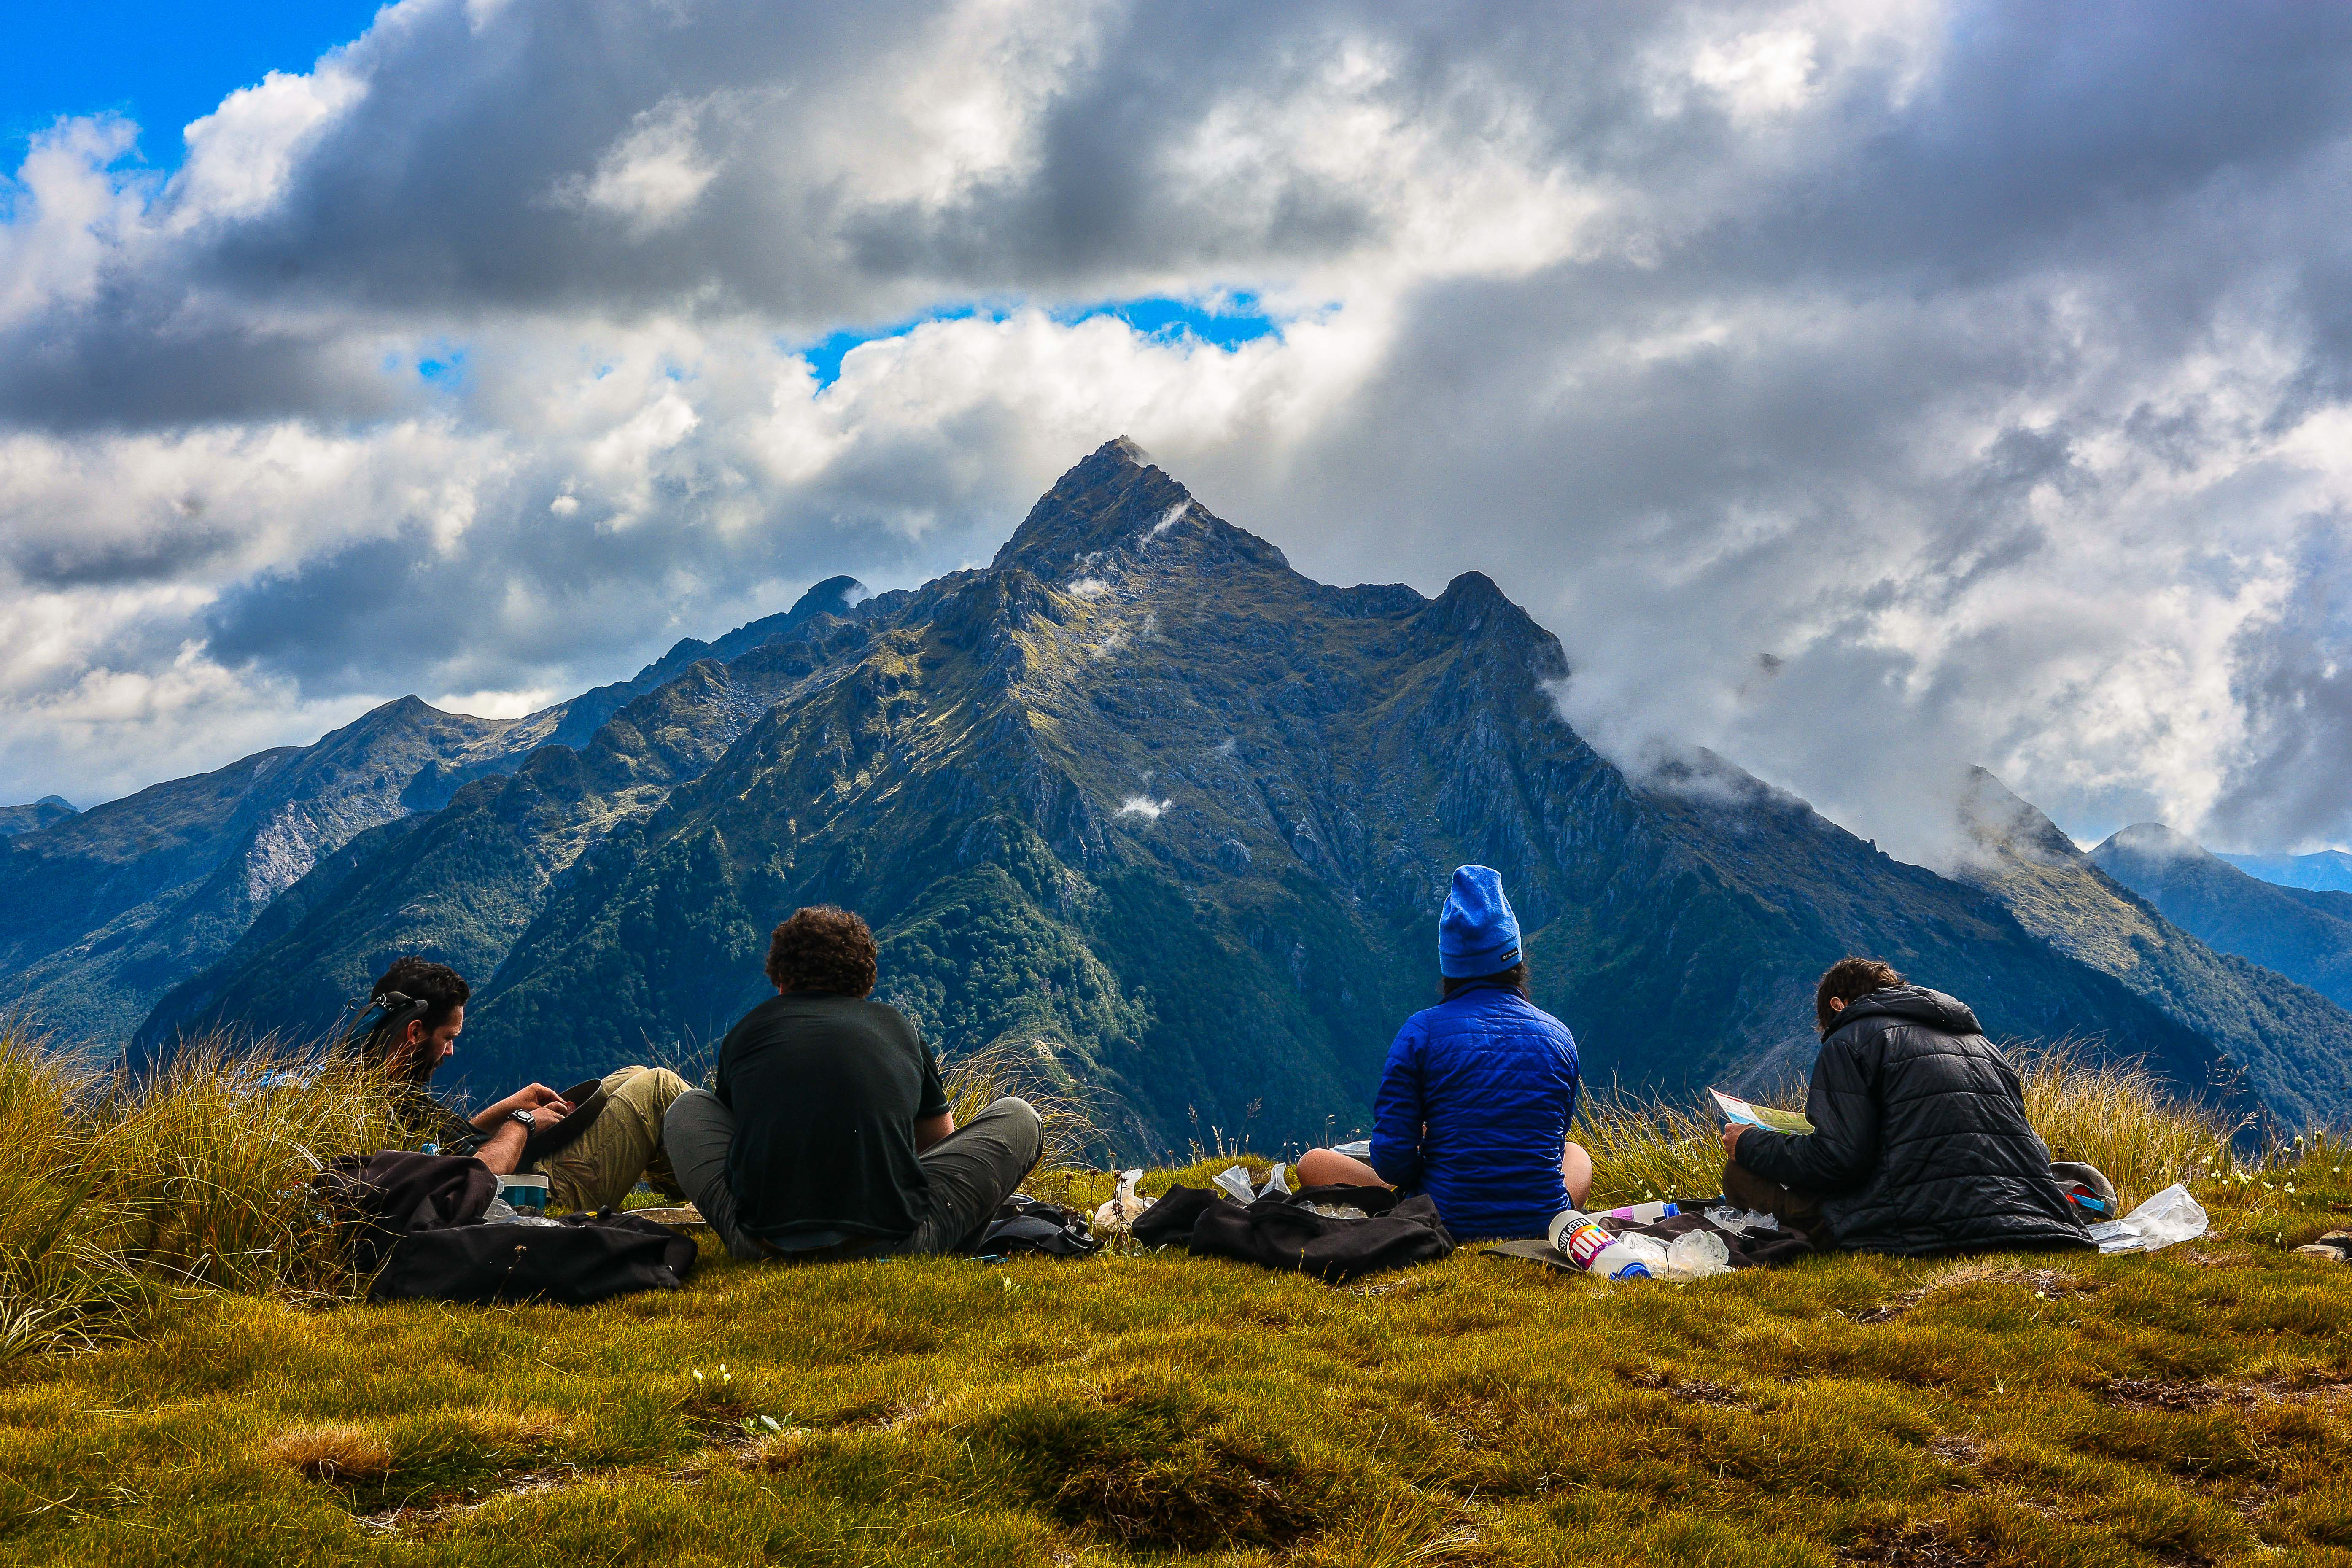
(1849, 980)
(822, 948)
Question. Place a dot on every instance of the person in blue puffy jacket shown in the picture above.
(1475, 1101)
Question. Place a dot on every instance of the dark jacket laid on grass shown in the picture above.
(1474, 1109)
(1920, 1143)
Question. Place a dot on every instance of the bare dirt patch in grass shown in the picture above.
(1918, 1544)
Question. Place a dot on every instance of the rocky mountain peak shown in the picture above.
(1114, 512)
(2001, 825)
(2155, 839)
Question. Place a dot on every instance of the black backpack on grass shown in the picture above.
(415, 1222)
(1288, 1231)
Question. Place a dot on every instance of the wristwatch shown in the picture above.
(526, 1118)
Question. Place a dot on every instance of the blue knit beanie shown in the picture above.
(1477, 935)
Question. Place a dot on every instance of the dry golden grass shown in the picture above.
(335, 1451)
(979, 1077)
(2120, 1118)
(117, 1191)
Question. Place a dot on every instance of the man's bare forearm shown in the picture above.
(502, 1150)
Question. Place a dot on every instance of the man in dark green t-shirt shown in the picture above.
(826, 1133)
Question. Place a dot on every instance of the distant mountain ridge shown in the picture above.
(103, 912)
(2324, 870)
(1172, 820)
(2303, 934)
(46, 812)
(2292, 1044)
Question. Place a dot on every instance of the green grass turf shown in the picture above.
(2193, 1406)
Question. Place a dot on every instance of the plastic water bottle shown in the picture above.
(1646, 1213)
(1593, 1250)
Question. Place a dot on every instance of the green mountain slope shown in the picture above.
(1172, 820)
(2303, 935)
(2293, 1046)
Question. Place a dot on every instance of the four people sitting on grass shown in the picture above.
(827, 1131)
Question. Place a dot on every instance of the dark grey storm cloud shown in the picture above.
(1973, 378)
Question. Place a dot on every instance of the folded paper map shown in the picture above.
(1741, 1114)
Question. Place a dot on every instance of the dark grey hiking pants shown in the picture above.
(972, 1171)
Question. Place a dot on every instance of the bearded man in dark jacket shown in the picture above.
(1919, 1143)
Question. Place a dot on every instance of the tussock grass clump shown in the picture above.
(1148, 1461)
(119, 1190)
(336, 1451)
(978, 1077)
(61, 1274)
(1649, 1149)
(2119, 1116)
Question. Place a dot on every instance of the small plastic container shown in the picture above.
(526, 1193)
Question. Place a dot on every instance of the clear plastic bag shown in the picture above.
(2171, 1215)
(1235, 1182)
(1277, 1183)
(1116, 1214)
(1696, 1255)
(1745, 1222)
(1648, 1251)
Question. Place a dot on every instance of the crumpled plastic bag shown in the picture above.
(1236, 1183)
(1275, 1185)
(1648, 1251)
(1744, 1221)
(1696, 1255)
(2171, 1215)
(1116, 1215)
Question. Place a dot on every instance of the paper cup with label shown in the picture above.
(526, 1192)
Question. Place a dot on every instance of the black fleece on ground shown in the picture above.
(1920, 1143)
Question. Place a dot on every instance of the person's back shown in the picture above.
(827, 1133)
(1475, 1107)
(1920, 1143)
(826, 1091)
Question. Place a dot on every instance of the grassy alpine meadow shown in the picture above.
(191, 1386)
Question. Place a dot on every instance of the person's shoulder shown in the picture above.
(884, 1016)
(1547, 1022)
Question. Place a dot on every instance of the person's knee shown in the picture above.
(695, 1115)
(652, 1090)
(1020, 1125)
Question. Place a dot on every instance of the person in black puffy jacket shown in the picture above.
(1919, 1143)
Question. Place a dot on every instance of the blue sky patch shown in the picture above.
(160, 62)
(445, 368)
(1235, 320)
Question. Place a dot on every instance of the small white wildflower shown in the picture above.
(2290, 1187)
(697, 1374)
(772, 1424)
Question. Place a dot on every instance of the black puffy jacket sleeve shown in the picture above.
(1843, 1104)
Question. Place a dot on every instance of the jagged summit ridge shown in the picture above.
(1116, 511)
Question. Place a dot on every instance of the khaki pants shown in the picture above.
(624, 1143)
